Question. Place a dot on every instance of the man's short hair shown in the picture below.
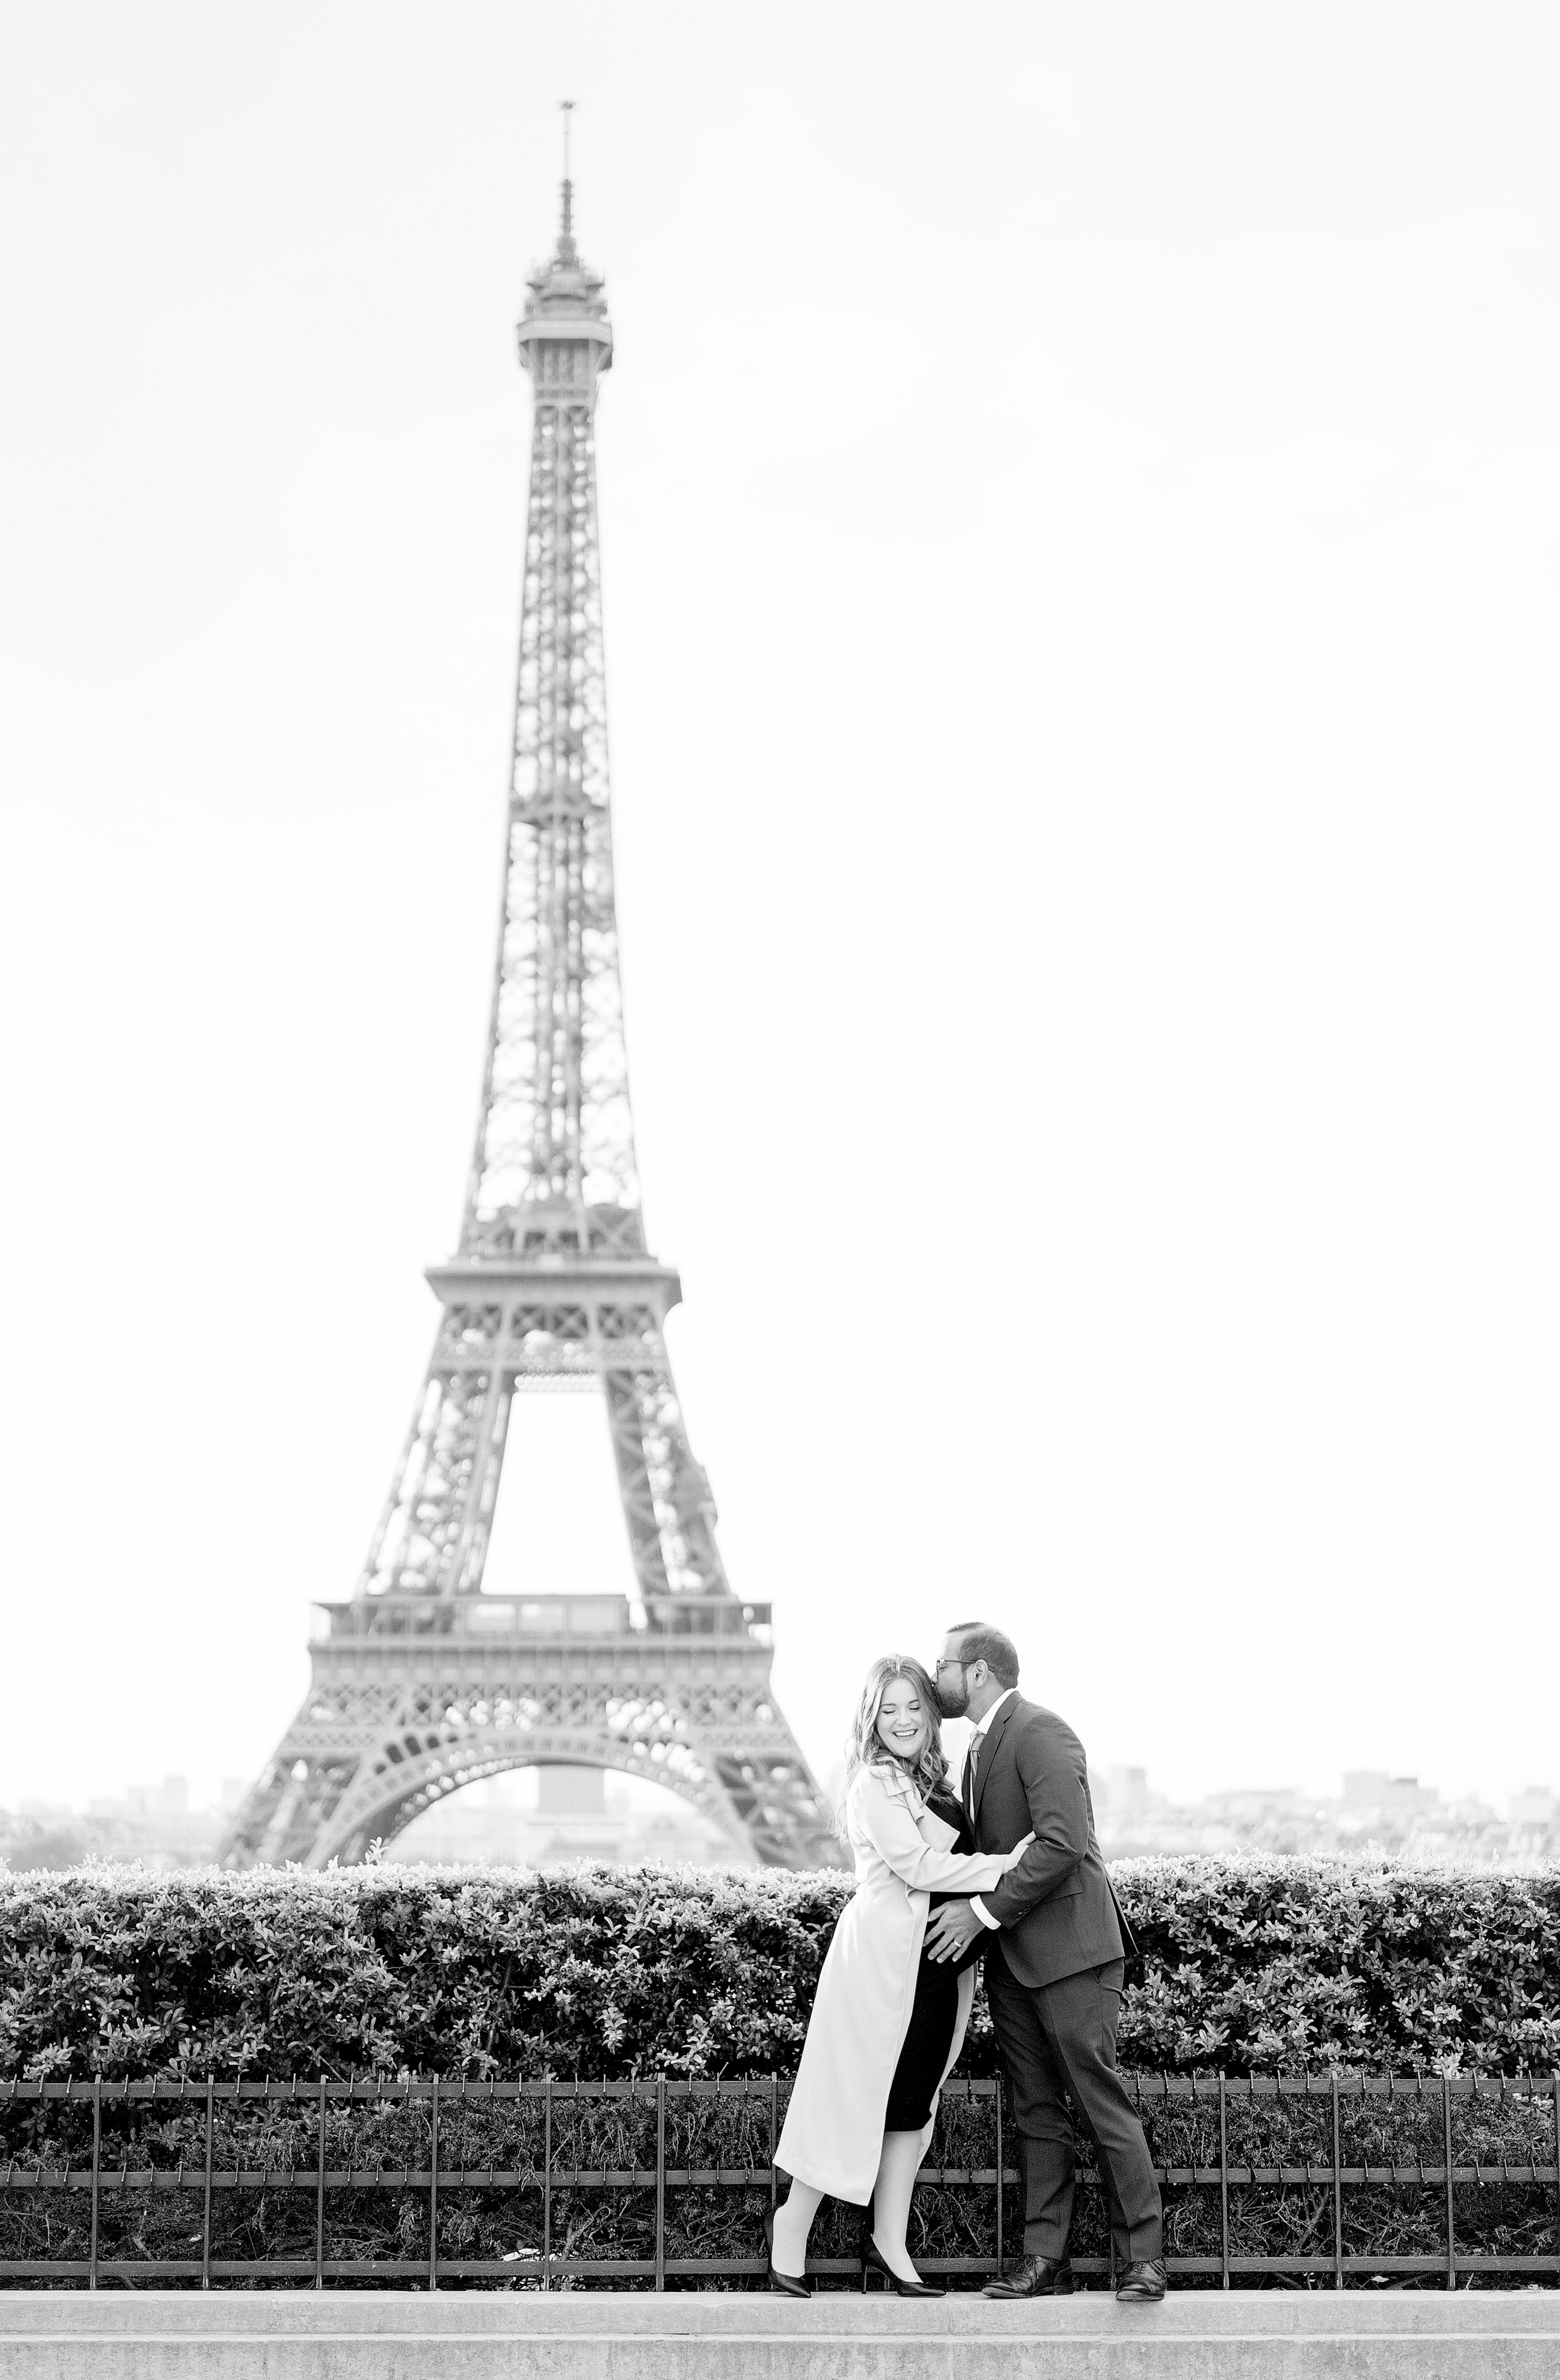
(980, 1643)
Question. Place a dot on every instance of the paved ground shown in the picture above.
(597, 2335)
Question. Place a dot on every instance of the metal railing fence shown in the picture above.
(108, 2167)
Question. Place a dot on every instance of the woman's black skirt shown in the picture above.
(927, 2045)
(935, 2011)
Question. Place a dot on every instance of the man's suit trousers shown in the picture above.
(1059, 2042)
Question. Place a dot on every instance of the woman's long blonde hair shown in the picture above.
(866, 1748)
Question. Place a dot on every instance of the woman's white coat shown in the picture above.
(833, 2133)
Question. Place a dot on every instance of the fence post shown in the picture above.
(1451, 2208)
(774, 2140)
(1223, 2188)
(434, 2192)
(206, 2219)
(97, 2172)
(320, 2199)
(1337, 2190)
(1554, 2104)
(997, 2095)
(546, 2183)
(661, 2181)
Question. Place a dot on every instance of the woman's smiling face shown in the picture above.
(901, 1720)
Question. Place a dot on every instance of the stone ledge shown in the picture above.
(599, 2335)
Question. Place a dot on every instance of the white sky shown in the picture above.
(1080, 513)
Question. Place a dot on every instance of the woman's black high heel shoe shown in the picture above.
(872, 2262)
(786, 2283)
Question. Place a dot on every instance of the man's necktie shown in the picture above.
(970, 1759)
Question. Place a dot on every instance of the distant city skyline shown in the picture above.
(1372, 1788)
(583, 1811)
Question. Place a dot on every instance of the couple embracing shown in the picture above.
(1007, 1868)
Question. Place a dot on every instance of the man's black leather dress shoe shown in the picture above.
(1035, 2277)
(1141, 2284)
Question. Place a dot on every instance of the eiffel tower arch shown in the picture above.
(423, 1681)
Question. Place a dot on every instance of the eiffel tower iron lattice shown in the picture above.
(423, 1681)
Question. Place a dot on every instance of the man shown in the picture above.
(1052, 1970)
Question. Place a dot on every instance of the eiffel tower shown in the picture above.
(423, 1682)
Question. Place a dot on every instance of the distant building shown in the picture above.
(169, 1800)
(571, 1792)
(1373, 1789)
(1246, 1803)
(1535, 1805)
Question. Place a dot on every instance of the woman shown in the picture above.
(886, 2023)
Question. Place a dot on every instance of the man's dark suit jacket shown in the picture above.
(1055, 1905)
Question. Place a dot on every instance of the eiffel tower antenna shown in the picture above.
(424, 1681)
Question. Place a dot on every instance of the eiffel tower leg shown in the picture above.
(286, 1811)
(672, 1519)
(666, 1494)
(626, 1422)
(432, 1535)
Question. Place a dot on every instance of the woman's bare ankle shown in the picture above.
(896, 2255)
(790, 2256)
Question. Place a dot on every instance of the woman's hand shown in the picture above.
(1012, 1857)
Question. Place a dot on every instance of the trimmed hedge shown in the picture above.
(1257, 1966)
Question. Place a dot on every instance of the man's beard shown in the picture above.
(953, 1701)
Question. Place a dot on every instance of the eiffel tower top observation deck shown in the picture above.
(425, 1682)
